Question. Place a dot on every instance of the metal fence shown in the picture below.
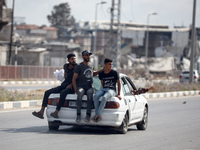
(27, 72)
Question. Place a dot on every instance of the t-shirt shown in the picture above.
(69, 75)
(85, 75)
(109, 79)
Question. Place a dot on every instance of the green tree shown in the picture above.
(60, 16)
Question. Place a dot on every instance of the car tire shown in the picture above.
(143, 124)
(124, 126)
(53, 126)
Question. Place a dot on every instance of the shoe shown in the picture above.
(54, 115)
(78, 119)
(37, 114)
(87, 119)
(98, 118)
(94, 119)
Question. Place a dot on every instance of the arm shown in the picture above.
(74, 82)
(142, 90)
(102, 83)
(64, 67)
(119, 89)
(69, 86)
(95, 73)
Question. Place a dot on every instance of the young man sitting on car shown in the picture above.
(64, 89)
(82, 83)
(108, 78)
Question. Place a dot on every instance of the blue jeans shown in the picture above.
(106, 94)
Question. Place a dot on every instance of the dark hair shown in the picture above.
(70, 55)
(107, 60)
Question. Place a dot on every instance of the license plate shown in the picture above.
(73, 104)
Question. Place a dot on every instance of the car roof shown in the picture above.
(122, 75)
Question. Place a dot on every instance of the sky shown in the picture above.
(169, 12)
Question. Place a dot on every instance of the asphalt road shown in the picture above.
(172, 126)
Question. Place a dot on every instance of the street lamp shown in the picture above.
(95, 33)
(147, 45)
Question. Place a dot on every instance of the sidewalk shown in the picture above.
(33, 103)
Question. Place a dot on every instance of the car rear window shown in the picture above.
(187, 72)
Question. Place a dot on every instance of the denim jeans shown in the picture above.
(89, 93)
(106, 94)
(63, 95)
(49, 92)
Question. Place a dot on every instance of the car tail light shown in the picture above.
(180, 76)
(112, 105)
(53, 102)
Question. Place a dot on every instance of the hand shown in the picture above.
(69, 86)
(118, 96)
(152, 88)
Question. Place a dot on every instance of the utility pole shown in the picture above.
(192, 44)
(115, 40)
(11, 34)
(147, 46)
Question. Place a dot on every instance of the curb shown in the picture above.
(28, 82)
(20, 104)
(32, 103)
(170, 94)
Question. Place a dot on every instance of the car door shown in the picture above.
(129, 98)
(136, 102)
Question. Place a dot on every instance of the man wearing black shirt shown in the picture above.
(82, 83)
(108, 78)
(64, 89)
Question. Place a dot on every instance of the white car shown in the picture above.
(185, 76)
(117, 114)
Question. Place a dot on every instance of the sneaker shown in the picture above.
(87, 119)
(78, 119)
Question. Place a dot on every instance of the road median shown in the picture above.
(33, 103)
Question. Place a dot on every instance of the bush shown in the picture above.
(6, 95)
(161, 87)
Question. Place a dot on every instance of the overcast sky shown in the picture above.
(170, 12)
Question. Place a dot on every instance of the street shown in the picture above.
(174, 123)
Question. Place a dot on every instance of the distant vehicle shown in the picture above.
(185, 76)
(117, 114)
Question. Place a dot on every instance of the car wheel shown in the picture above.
(143, 124)
(53, 126)
(124, 126)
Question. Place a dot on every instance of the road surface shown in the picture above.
(174, 124)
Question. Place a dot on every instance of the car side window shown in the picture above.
(130, 83)
(125, 87)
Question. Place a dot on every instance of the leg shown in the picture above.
(81, 92)
(105, 97)
(89, 93)
(40, 113)
(63, 95)
(98, 94)
(89, 104)
(48, 93)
